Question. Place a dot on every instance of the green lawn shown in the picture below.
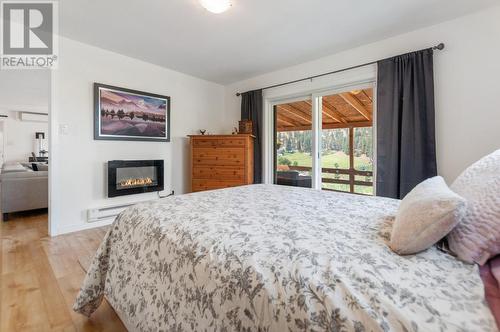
(329, 160)
(335, 160)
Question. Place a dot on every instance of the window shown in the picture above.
(344, 142)
(293, 144)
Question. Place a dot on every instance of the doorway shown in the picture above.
(326, 141)
(24, 169)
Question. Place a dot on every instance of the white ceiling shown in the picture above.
(253, 37)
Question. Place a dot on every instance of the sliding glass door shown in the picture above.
(326, 141)
(293, 143)
(347, 141)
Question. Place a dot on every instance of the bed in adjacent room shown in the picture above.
(275, 258)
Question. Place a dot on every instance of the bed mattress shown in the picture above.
(276, 258)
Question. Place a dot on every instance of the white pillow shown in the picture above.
(426, 215)
(477, 238)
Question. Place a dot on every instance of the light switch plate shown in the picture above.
(63, 129)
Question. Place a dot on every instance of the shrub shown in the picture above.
(284, 161)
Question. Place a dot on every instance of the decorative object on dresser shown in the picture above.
(246, 126)
(221, 161)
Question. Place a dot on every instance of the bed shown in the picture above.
(276, 258)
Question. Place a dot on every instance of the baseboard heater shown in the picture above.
(106, 213)
(111, 212)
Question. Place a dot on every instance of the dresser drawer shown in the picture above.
(218, 173)
(205, 143)
(201, 185)
(218, 156)
(232, 142)
(213, 142)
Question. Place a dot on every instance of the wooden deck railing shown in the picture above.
(351, 172)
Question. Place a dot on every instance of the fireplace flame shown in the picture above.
(136, 182)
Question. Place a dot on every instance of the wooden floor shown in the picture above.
(40, 277)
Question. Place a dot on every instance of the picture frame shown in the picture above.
(122, 114)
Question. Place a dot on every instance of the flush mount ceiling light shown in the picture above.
(216, 6)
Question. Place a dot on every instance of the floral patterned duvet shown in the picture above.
(274, 258)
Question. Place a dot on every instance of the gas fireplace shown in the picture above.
(128, 177)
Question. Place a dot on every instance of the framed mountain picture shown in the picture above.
(128, 115)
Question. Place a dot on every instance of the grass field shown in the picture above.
(335, 160)
(329, 160)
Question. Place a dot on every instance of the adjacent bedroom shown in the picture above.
(236, 165)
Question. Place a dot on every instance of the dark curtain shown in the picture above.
(251, 109)
(406, 144)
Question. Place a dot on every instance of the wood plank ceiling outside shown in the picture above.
(344, 110)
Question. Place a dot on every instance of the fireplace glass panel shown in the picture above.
(136, 177)
(129, 177)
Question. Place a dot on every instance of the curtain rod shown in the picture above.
(439, 47)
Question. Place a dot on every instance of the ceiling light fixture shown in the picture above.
(216, 6)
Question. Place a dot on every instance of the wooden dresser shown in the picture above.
(221, 161)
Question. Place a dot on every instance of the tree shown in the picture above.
(289, 145)
(307, 147)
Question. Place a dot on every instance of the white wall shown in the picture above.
(467, 77)
(19, 136)
(78, 161)
(25, 90)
